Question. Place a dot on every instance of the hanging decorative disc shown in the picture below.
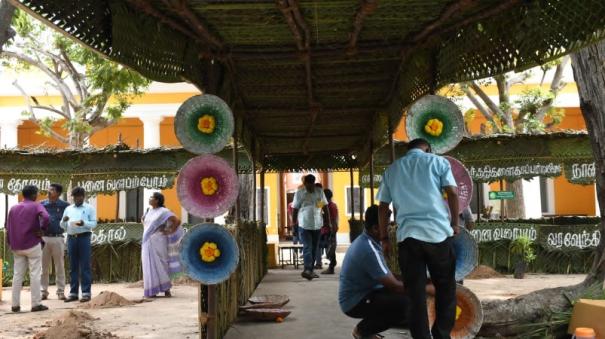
(209, 253)
(467, 253)
(469, 314)
(464, 182)
(207, 186)
(204, 124)
(436, 119)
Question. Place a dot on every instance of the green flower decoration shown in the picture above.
(204, 124)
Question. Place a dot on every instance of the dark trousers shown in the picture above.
(310, 240)
(79, 251)
(331, 250)
(379, 311)
(415, 257)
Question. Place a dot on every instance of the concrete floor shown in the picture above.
(314, 306)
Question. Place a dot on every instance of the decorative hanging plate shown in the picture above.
(469, 314)
(207, 186)
(464, 182)
(436, 119)
(209, 253)
(204, 124)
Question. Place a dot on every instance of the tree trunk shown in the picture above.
(589, 73)
(6, 17)
(503, 317)
(515, 208)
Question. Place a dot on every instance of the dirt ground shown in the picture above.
(176, 317)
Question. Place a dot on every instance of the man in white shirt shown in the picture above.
(307, 206)
(78, 220)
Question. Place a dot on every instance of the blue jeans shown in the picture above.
(79, 251)
(310, 240)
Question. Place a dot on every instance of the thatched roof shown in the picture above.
(310, 78)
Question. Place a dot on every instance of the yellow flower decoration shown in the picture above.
(209, 252)
(209, 186)
(458, 312)
(434, 127)
(206, 124)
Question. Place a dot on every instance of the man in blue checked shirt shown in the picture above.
(415, 184)
(79, 219)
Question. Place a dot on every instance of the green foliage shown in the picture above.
(522, 247)
(96, 91)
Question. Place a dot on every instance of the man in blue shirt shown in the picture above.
(79, 219)
(368, 290)
(415, 184)
(54, 248)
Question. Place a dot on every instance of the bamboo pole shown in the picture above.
(236, 166)
(254, 181)
(352, 194)
(212, 319)
(262, 196)
(371, 173)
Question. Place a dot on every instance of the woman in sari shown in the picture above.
(161, 234)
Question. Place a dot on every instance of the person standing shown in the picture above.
(415, 185)
(79, 219)
(331, 220)
(307, 206)
(367, 289)
(26, 223)
(54, 248)
(159, 253)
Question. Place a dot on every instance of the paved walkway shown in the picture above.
(314, 306)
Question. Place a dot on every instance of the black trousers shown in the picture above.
(379, 311)
(331, 251)
(415, 257)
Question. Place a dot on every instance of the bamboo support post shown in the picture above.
(236, 167)
(262, 196)
(352, 192)
(371, 173)
(211, 325)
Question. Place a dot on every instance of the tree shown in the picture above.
(6, 15)
(589, 73)
(95, 92)
(504, 317)
(533, 111)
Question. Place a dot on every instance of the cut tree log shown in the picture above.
(504, 318)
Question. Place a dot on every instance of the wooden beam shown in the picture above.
(182, 8)
(441, 26)
(366, 8)
(323, 136)
(291, 11)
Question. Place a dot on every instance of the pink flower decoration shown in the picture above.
(190, 193)
(463, 180)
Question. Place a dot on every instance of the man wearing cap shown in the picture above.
(368, 290)
(415, 184)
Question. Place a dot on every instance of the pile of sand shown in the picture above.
(138, 284)
(107, 299)
(185, 280)
(484, 272)
(73, 325)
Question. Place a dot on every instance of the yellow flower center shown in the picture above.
(434, 127)
(458, 312)
(206, 124)
(209, 186)
(209, 252)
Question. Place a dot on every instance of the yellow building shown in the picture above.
(149, 123)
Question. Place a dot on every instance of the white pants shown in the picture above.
(23, 258)
(54, 250)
